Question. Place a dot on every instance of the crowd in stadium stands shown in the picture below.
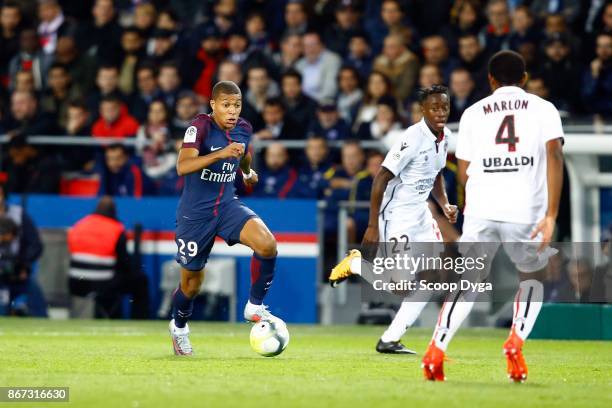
(310, 70)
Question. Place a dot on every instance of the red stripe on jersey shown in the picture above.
(216, 210)
(137, 181)
(289, 184)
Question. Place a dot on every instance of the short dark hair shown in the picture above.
(169, 64)
(78, 103)
(507, 67)
(292, 73)
(117, 146)
(424, 93)
(225, 87)
(133, 30)
(58, 65)
(108, 66)
(315, 136)
(275, 101)
(112, 97)
(11, 4)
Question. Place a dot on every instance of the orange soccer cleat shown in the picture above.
(433, 363)
(517, 368)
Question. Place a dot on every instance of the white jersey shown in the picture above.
(504, 137)
(415, 159)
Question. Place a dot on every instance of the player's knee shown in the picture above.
(267, 248)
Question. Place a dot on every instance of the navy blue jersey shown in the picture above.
(206, 190)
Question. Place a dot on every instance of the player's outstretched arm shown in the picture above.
(439, 194)
(554, 180)
(190, 161)
(378, 190)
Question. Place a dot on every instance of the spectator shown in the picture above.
(360, 54)
(597, 81)
(132, 45)
(523, 28)
(291, 48)
(145, 17)
(102, 36)
(186, 109)
(473, 58)
(121, 177)
(82, 68)
(59, 92)
(277, 125)
(169, 82)
(52, 24)
(230, 71)
(114, 120)
(11, 21)
(107, 83)
(30, 169)
(337, 35)
(399, 64)
(351, 182)
(392, 21)
(385, 122)
(435, 52)
(296, 20)
(310, 183)
(26, 118)
(30, 58)
(319, 68)
(21, 247)
(463, 95)
(329, 123)
(170, 183)
(146, 92)
(155, 144)
(561, 74)
(162, 47)
(241, 53)
(277, 178)
(537, 86)
(92, 241)
(259, 40)
(496, 34)
(260, 87)
(378, 86)
(569, 9)
(299, 107)
(556, 24)
(78, 120)
(24, 82)
(465, 18)
(350, 94)
(207, 59)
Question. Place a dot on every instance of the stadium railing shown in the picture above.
(584, 144)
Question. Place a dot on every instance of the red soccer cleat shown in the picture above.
(517, 368)
(433, 363)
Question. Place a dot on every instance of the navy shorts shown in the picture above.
(195, 238)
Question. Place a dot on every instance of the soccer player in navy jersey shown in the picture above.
(214, 147)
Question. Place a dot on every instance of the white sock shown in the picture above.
(404, 318)
(180, 330)
(527, 305)
(356, 265)
(451, 316)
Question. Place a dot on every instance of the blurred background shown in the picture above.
(95, 97)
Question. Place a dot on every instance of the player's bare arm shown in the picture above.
(554, 180)
(189, 160)
(462, 166)
(439, 194)
(378, 190)
(250, 177)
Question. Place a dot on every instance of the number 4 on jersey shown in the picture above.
(511, 139)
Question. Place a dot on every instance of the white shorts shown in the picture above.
(409, 236)
(515, 238)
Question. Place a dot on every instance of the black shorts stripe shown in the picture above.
(90, 266)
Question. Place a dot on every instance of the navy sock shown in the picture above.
(262, 273)
(182, 308)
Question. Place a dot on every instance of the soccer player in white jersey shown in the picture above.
(510, 153)
(398, 203)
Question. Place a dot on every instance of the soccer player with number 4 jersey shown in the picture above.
(510, 157)
(213, 149)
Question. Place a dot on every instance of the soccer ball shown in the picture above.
(269, 337)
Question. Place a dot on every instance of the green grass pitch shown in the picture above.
(130, 364)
